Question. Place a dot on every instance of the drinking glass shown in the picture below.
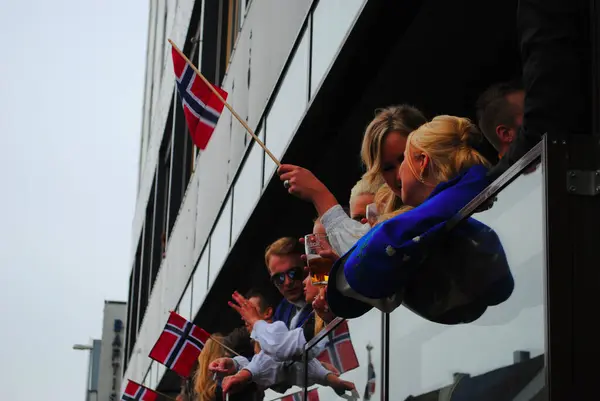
(372, 214)
(318, 266)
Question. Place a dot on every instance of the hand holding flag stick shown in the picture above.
(218, 95)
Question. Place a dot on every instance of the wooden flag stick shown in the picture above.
(218, 95)
(224, 346)
(164, 395)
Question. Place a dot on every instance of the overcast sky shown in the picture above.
(71, 89)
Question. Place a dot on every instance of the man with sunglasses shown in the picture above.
(283, 259)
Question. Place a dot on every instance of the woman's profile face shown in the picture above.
(392, 155)
(413, 192)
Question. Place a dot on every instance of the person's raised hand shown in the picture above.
(246, 309)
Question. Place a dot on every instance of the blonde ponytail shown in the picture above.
(319, 324)
(450, 144)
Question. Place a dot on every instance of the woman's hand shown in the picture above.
(338, 385)
(222, 366)
(235, 383)
(321, 307)
(329, 254)
(246, 309)
(302, 183)
(330, 368)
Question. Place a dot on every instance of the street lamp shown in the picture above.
(90, 348)
(80, 347)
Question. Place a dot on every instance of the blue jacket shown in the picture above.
(401, 256)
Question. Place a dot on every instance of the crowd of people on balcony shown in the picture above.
(418, 175)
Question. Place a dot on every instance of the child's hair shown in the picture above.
(204, 385)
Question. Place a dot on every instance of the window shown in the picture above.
(288, 107)
(331, 21)
(247, 188)
(185, 304)
(365, 335)
(152, 376)
(220, 241)
(236, 12)
(507, 342)
(200, 281)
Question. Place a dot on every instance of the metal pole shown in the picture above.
(90, 349)
(89, 375)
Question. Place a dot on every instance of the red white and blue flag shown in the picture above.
(179, 345)
(202, 108)
(313, 395)
(370, 387)
(137, 392)
(339, 351)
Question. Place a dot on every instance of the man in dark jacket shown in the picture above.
(556, 54)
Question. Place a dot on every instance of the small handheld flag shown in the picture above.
(339, 352)
(218, 94)
(136, 392)
(370, 387)
(201, 106)
(179, 345)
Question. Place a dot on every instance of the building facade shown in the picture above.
(110, 366)
(307, 76)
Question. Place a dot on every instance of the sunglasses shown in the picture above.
(295, 274)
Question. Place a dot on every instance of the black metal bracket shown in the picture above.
(583, 182)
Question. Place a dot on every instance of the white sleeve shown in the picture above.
(343, 232)
(317, 374)
(277, 341)
(240, 362)
(265, 371)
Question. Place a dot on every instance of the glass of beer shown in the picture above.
(318, 267)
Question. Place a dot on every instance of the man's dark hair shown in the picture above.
(494, 109)
(264, 298)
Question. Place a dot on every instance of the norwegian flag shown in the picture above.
(370, 387)
(179, 345)
(313, 395)
(202, 108)
(339, 351)
(137, 392)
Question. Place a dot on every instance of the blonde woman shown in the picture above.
(382, 153)
(440, 173)
(204, 384)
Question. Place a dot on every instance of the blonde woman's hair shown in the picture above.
(389, 204)
(402, 119)
(386, 200)
(319, 324)
(364, 186)
(450, 144)
(204, 385)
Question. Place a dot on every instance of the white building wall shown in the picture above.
(264, 44)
